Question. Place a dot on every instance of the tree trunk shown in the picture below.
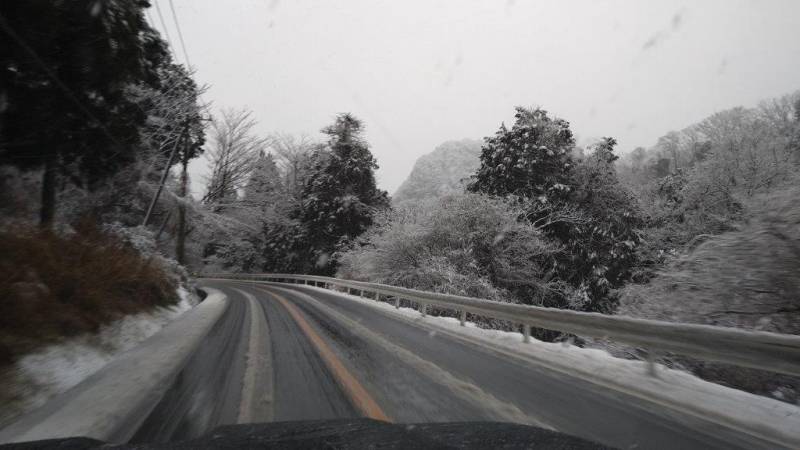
(180, 241)
(48, 207)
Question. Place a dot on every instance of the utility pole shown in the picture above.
(189, 151)
(163, 177)
(163, 225)
(180, 241)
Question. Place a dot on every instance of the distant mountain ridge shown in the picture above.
(441, 172)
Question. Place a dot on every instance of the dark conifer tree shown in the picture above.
(579, 203)
(65, 69)
(340, 197)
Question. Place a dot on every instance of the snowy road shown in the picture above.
(286, 352)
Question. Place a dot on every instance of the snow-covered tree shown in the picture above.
(293, 157)
(533, 159)
(466, 244)
(271, 205)
(340, 196)
(233, 241)
(579, 204)
(601, 250)
(264, 184)
(235, 148)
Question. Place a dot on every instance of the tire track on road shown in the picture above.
(257, 387)
(356, 392)
(464, 389)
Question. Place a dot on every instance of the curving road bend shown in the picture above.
(290, 352)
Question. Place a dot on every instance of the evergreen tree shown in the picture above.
(265, 183)
(174, 114)
(601, 250)
(270, 203)
(340, 196)
(582, 206)
(65, 70)
(533, 159)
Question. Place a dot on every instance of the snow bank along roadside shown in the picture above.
(676, 390)
(56, 368)
(111, 400)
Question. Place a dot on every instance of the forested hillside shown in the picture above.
(733, 172)
(537, 223)
(702, 227)
(721, 243)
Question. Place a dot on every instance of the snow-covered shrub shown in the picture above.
(469, 244)
(144, 242)
(744, 279)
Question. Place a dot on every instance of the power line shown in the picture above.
(150, 20)
(180, 35)
(163, 24)
(153, 25)
(185, 52)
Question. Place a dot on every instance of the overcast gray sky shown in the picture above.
(422, 72)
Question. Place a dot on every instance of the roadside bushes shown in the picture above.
(470, 244)
(56, 285)
(747, 278)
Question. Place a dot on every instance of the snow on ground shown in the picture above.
(56, 368)
(676, 389)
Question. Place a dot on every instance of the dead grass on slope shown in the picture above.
(53, 286)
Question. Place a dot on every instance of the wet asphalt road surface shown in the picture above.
(289, 352)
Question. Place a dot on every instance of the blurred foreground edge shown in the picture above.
(350, 434)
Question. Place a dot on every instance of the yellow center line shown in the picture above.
(357, 393)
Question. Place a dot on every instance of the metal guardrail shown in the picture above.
(772, 352)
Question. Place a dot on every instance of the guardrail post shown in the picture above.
(651, 364)
(397, 303)
(526, 333)
(462, 318)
